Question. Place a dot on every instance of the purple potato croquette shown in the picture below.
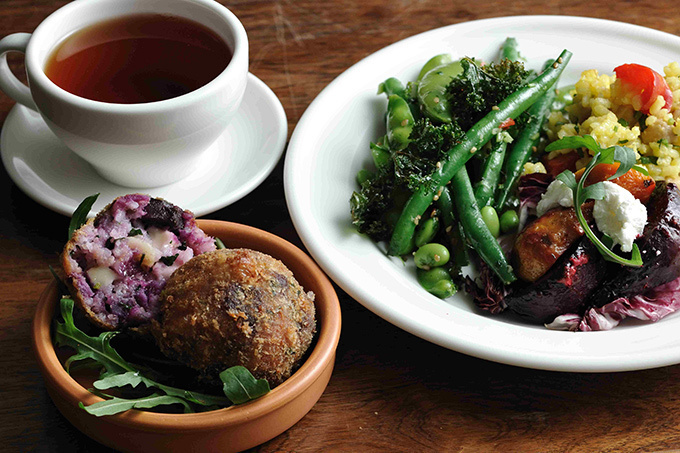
(117, 263)
(236, 307)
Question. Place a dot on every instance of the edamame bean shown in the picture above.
(431, 255)
(399, 122)
(443, 289)
(432, 91)
(426, 231)
(392, 86)
(437, 60)
(509, 221)
(429, 277)
(490, 217)
(436, 281)
(456, 157)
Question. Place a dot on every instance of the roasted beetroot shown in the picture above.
(565, 288)
(659, 247)
(117, 263)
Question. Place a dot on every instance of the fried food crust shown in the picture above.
(236, 307)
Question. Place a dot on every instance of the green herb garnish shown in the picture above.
(626, 158)
(239, 385)
(135, 232)
(80, 214)
(168, 260)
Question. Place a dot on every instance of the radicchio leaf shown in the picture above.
(531, 187)
(488, 291)
(651, 306)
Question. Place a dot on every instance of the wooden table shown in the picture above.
(390, 390)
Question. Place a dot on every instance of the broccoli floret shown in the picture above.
(369, 207)
(428, 146)
(479, 88)
(381, 197)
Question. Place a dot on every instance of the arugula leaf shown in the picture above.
(568, 178)
(87, 347)
(596, 192)
(63, 289)
(80, 214)
(574, 142)
(116, 405)
(641, 169)
(240, 386)
(135, 378)
(626, 158)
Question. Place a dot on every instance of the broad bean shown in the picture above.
(431, 255)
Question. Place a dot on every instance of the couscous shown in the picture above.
(608, 110)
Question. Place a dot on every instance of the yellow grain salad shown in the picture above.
(635, 107)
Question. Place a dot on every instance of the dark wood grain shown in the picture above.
(390, 390)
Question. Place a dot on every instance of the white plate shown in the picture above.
(232, 167)
(330, 144)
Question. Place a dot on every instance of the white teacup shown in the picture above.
(135, 145)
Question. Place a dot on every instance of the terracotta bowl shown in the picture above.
(231, 429)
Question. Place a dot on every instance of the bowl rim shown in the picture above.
(323, 353)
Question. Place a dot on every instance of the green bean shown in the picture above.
(509, 221)
(432, 91)
(509, 50)
(474, 139)
(431, 255)
(426, 231)
(490, 217)
(476, 231)
(453, 229)
(399, 122)
(486, 187)
(392, 86)
(522, 147)
(437, 60)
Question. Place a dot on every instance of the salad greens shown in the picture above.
(626, 158)
(80, 214)
(239, 385)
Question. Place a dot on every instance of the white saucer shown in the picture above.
(247, 152)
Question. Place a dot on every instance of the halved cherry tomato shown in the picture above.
(561, 162)
(641, 186)
(646, 82)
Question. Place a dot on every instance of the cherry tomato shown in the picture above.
(641, 186)
(561, 162)
(646, 82)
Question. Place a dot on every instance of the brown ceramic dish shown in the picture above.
(231, 429)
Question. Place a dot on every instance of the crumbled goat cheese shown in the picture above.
(620, 215)
(558, 194)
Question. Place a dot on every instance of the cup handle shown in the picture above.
(9, 83)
